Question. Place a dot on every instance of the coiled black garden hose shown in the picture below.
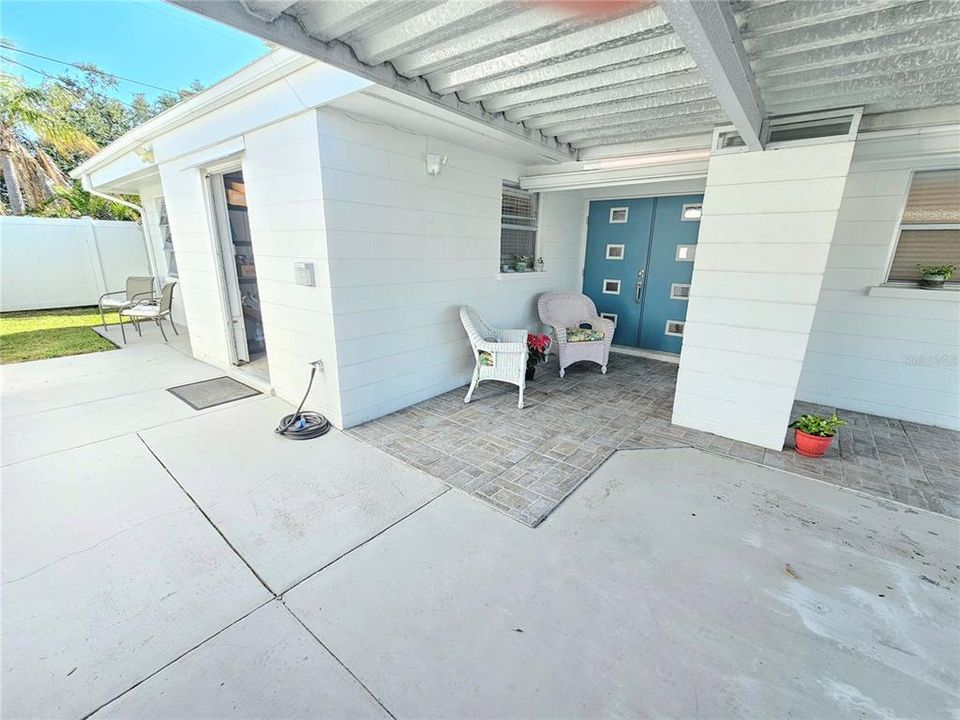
(304, 425)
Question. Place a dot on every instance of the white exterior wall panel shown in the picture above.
(297, 319)
(185, 197)
(890, 356)
(407, 249)
(768, 220)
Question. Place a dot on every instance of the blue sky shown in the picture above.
(146, 40)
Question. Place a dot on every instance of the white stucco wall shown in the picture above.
(768, 220)
(407, 249)
(895, 356)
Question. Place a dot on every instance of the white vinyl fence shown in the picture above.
(55, 263)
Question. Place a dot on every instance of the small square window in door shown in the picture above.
(674, 328)
(619, 215)
(615, 252)
(686, 253)
(611, 287)
(679, 291)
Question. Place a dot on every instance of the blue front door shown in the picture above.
(618, 233)
(638, 267)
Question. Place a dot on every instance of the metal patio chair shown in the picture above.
(138, 287)
(498, 354)
(156, 309)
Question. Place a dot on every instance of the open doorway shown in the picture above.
(240, 272)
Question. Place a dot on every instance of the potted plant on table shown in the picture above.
(813, 434)
(934, 276)
(537, 346)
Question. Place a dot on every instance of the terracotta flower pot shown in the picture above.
(812, 445)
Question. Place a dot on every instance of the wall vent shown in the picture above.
(795, 130)
(810, 128)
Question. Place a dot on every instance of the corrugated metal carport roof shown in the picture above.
(883, 55)
(570, 78)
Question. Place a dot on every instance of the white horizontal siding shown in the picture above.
(407, 249)
(281, 170)
(768, 219)
(184, 194)
(890, 356)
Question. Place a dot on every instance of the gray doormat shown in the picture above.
(210, 393)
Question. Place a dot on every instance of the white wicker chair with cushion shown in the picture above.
(565, 313)
(498, 354)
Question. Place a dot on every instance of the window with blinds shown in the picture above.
(930, 228)
(518, 228)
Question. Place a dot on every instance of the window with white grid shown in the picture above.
(518, 228)
(930, 227)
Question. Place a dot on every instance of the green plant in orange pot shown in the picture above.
(813, 433)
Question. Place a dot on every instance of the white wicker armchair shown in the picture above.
(498, 354)
(571, 310)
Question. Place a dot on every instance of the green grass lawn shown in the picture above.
(40, 334)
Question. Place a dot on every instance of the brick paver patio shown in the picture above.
(525, 462)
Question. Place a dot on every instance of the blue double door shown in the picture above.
(638, 267)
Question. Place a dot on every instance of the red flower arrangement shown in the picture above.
(537, 346)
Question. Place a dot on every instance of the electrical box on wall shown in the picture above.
(303, 274)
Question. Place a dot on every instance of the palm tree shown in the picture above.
(30, 175)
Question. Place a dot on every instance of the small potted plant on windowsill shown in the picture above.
(521, 263)
(813, 434)
(537, 346)
(934, 276)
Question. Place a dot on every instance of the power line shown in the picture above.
(54, 77)
(88, 69)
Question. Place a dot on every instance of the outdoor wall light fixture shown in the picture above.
(145, 153)
(435, 162)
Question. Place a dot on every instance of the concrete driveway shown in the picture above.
(164, 562)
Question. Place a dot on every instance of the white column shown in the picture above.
(768, 220)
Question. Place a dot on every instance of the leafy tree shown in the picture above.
(49, 129)
(28, 171)
(74, 201)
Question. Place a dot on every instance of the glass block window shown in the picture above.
(166, 239)
(518, 226)
(930, 227)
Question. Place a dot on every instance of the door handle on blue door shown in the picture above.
(639, 285)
